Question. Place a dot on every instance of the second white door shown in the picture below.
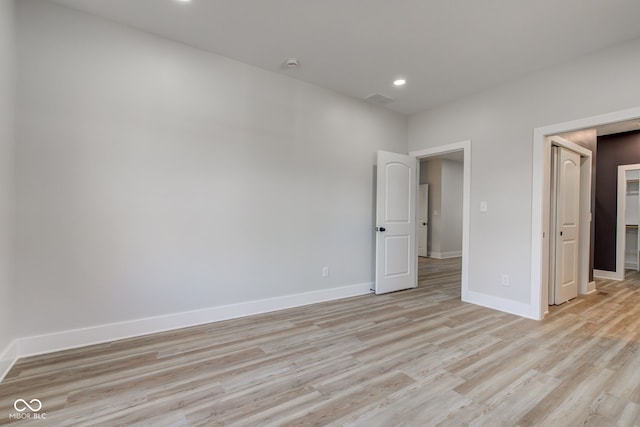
(423, 222)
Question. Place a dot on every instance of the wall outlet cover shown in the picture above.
(505, 280)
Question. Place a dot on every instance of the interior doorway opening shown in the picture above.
(441, 180)
(616, 122)
(396, 257)
(567, 220)
(440, 225)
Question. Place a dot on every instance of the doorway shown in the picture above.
(567, 221)
(440, 194)
(540, 204)
(569, 239)
(446, 262)
(628, 218)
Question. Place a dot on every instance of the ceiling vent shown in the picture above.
(378, 98)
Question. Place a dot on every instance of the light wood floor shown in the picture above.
(412, 358)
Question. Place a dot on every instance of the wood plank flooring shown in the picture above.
(413, 358)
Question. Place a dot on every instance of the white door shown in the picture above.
(396, 223)
(423, 213)
(567, 224)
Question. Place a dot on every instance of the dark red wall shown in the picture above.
(613, 150)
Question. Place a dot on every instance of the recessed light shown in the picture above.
(183, 1)
(399, 82)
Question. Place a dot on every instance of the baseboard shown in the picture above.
(591, 287)
(501, 304)
(7, 358)
(608, 275)
(446, 255)
(65, 340)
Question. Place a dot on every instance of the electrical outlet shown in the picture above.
(484, 207)
(325, 271)
(505, 280)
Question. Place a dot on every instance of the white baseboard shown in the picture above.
(608, 275)
(446, 255)
(65, 340)
(7, 358)
(501, 304)
(591, 287)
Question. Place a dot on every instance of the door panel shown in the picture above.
(395, 222)
(568, 253)
(567, 225)
(397, 249)
(398, 186)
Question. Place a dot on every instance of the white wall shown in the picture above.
(500, 123)
(7, 201)
(154, 178)
(451, 205)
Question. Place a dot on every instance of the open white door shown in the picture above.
(423, 222)
(396, 223)
(567, 224)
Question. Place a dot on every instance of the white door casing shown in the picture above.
(396, 244)
(567, 224)
(539, 205)
(423, 221)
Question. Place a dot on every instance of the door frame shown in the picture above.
(539, 305)
(621, 235)
(465, 147)
(584, 227)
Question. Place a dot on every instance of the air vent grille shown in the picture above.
(378, 98)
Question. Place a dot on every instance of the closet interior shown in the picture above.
(632, 215)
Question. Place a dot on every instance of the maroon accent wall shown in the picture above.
(613, 151)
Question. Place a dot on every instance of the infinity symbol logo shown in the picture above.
(21, 405)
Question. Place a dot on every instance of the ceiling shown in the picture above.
(446, 49)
